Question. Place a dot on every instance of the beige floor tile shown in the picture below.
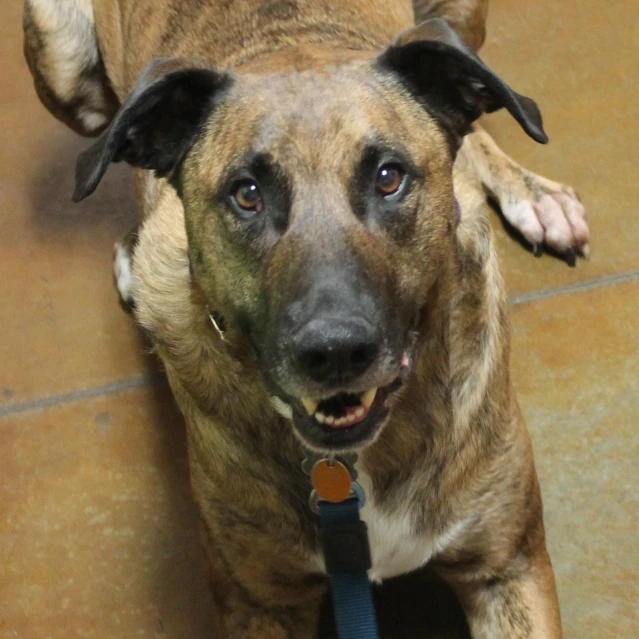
(576, 367)
(97, 526)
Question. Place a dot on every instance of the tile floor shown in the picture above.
(97, 531)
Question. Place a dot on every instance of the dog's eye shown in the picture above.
(390, 178)
(246, 194)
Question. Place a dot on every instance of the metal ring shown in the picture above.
(356, 491)
(313, 502)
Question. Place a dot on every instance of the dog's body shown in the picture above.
(450, 477)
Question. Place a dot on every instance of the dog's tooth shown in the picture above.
(329, 419)
(359, 413)
(368, 397)
(340, 421)
(310, 405)
(320, 417)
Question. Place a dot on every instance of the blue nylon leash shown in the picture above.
(346, 552)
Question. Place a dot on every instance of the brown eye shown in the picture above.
(247, 196)
(389, 179)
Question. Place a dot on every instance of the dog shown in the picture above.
(315, 268)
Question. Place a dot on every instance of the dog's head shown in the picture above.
(319, 205)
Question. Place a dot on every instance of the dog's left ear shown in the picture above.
(445, 75)
(158, 123)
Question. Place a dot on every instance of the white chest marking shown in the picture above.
(395, 546)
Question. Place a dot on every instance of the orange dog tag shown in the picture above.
(331, 481)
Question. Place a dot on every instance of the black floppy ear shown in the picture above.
(452, 82)
(157, 124)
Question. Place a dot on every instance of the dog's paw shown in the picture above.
(122, 273)
(548, 214)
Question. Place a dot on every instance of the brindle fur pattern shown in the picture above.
(455, 461)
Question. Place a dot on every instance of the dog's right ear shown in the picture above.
(158, 123)
(447, 77)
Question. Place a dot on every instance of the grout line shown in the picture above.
(151, 379)
(132, 383)
(588, 285)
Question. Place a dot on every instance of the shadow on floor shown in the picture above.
(111, 209)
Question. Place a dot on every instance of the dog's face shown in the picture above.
(319, 229)
(319, 207)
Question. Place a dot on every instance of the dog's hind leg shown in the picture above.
(543, 211)
(61, 49)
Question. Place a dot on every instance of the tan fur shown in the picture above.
(454, 463)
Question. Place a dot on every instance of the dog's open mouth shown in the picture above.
(342, 410)
(346, 420)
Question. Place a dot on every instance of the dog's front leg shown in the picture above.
(499, 566)
(240, 621)
(261, 587)
(513, 599)
(521, 604)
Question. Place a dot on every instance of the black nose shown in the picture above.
(335, 350)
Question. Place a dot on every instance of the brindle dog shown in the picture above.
(319, 190)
